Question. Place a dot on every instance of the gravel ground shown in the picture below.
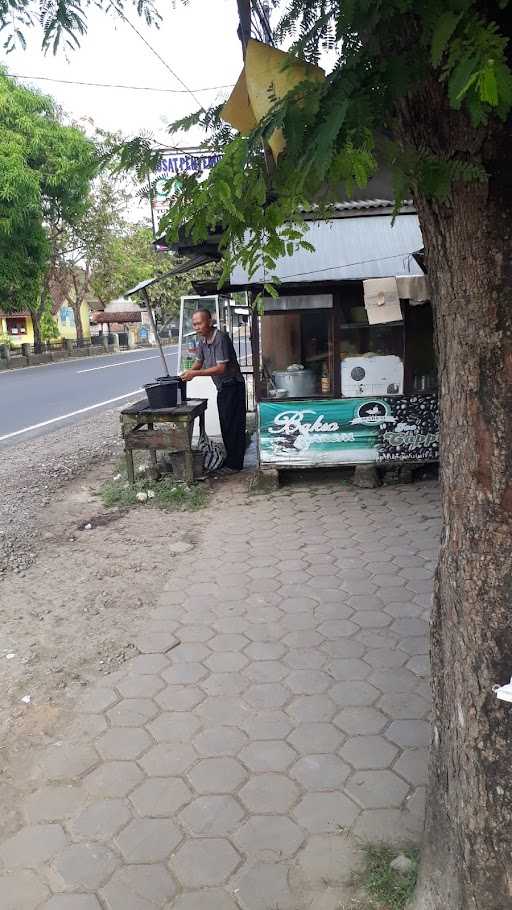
(33, 472)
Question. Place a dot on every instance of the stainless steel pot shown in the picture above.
(298, 383)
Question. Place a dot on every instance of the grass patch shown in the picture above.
(390, 890)
(161, 494)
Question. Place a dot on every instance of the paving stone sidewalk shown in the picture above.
(238, 769)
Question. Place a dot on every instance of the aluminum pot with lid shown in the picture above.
(298, 383)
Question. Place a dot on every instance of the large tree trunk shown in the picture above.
(467, 853)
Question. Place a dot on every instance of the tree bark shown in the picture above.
(36, 326)
(466, 859)
(76, 307)
(76, 300)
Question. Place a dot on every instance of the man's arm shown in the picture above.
(217, 370)
(222, 360)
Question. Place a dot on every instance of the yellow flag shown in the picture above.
(268, 75)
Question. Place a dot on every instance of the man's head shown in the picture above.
(202, 323)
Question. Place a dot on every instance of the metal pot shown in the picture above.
(298, 383)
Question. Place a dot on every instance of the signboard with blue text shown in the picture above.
(171, 165)
(381, 430)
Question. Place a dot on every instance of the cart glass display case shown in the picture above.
(365, 393)
(297, 347)
(370, 357)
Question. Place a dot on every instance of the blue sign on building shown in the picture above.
(178, 164)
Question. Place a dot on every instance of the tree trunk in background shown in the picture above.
(36, 325)
(467, 853)
(76, 307)
(80, 288)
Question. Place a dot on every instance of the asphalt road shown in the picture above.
(36, 400)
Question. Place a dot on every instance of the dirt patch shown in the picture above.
(77, 609)
(72, 601)
(74, 613)
(99, 521)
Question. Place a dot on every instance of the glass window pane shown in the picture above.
(297, 339)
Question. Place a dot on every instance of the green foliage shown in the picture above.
(23, 259)
(45, 172)
(169, 495)
(80, 247)
(64, 22)
(128, 258)
(46, 165)
(240, 194)
(47, 325)
(472, 56)
(390, 889)
(337, 130)
(435, 175)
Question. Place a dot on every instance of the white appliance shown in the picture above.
(380, 375)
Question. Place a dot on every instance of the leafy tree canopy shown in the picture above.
(62, 21)
(130, 258)
(79, 247)
(338, 130)
(45, 172)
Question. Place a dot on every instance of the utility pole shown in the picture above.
(244, 16)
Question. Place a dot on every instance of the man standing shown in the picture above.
(216, 357)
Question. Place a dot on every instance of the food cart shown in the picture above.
(347, 364)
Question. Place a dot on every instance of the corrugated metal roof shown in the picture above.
(361, 205)
(369, 246)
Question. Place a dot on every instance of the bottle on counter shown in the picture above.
(325, 383)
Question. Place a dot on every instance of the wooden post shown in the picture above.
(153, 459)
(256, 352)
(130, 468)
(154, 329)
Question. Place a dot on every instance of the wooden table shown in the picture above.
(173, 436)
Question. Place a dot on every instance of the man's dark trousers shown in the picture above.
(231, 407)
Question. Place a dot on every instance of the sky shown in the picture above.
(199, 42)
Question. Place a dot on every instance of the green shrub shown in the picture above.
(389, 889)
(167, 494)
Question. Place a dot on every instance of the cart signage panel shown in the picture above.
(397, 429)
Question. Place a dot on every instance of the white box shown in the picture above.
(380, 375)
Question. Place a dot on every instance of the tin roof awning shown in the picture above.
(347, 249)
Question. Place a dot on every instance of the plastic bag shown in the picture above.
(212, 452)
